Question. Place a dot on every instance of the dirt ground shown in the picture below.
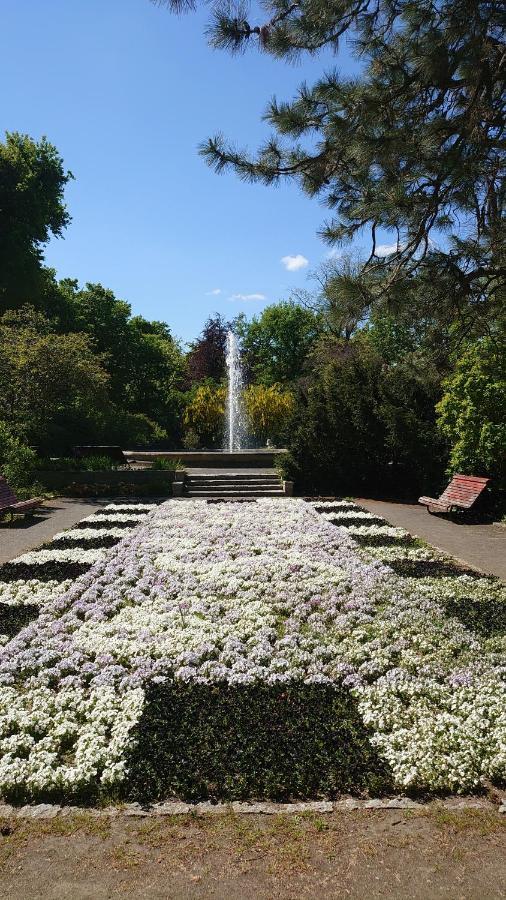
(362, 854)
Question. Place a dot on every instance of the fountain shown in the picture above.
(235, 430)
(235, 452)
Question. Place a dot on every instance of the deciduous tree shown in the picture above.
(269, 411)
(32, 183)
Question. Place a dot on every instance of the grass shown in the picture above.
(483, 822)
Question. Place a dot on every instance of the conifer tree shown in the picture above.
(414, 143)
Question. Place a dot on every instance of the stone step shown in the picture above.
(232, 478)
(190, 480)
(234, 493)
(244, 489)
(204, 485)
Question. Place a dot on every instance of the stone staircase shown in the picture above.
(233, 485)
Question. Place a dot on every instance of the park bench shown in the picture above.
(11, 506)
(462, 492)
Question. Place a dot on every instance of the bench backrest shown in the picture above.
(7, 495)
(464, 490)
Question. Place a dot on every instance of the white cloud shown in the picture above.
(294, 263)
(387, 249)
(213, 293)
(248, 297)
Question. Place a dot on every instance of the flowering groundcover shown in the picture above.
(247, 650)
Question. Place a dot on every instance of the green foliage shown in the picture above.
(162, 464)
(75, 365)
(52, 385)
(285, 466)
(277, 342)
(17, 461)
(32, 181)
(190, 439)
(487, 618)
(53, 570)
(205, 414)
(223, 742)
(472, 412)
(97, 463)
(361, 424)
(131, 429)
(269, 411)
(14, 618)
(146, 367)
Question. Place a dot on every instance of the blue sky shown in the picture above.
(126, 91)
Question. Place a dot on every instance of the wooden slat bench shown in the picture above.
(11, 506)
(462, 492)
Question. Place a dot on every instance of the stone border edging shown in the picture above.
(176, 808)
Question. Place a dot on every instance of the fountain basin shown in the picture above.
(261, 458)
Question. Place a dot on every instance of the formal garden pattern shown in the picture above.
(275, 648)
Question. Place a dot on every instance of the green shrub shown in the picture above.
(472, 412)
(61, 464)
(285, 466)
(97, 464)
(14, 618)
(363, 425)
(72, 464)
(18, 462)
(162, 464)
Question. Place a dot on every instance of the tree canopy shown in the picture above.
(413, 144)
(32, 182)
(277, 342)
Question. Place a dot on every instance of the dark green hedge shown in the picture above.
(48, 571)
(345, 522)
(383, 540)
(131, 523)
(14, 618)
(97, 543)
(486, 619)
(429, 568)
(222, 742)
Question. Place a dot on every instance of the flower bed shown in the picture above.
(242, 650)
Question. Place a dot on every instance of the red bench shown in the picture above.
(11, 506)
(462, 492)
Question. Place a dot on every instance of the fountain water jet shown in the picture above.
(235, 421)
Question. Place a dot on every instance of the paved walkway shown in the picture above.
(54, 516)
(482, 547)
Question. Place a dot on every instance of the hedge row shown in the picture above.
(53, 570)
(223, 742)
(14, 618)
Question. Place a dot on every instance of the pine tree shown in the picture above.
(415, 143)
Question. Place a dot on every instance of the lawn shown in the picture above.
(226, 651)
